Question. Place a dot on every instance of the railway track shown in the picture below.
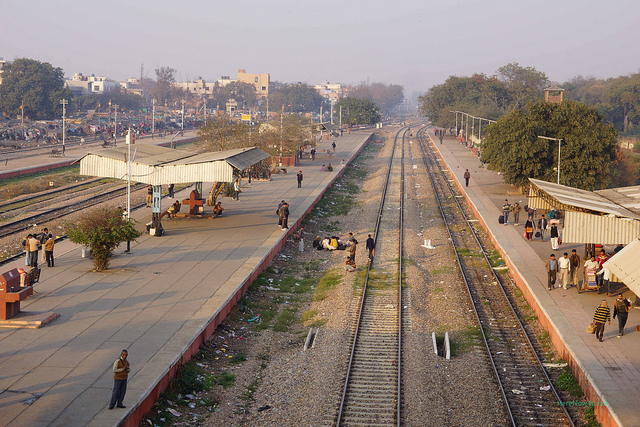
(12, 227)
(529, 394)
(373, 386)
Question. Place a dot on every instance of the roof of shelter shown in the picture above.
(629, 197)
(570, 198)
(160, 165)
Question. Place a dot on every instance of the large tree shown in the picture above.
(298, 97)
(386, 97)
(588, 148)
(356, 111)
(38, 84)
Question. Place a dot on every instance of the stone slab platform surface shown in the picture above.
(152, 302)
(612, 366)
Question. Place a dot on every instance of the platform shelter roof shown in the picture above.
(162, 166)
(546, 195)
(626, 267)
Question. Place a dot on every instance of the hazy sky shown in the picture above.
(413, 43)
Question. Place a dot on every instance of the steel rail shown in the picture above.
(403, 130)
(498, 279)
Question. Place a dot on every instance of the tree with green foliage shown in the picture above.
(102, 230)
(512, 88)
(38, 84)
(222, 133)
(298, 97)
(386, 97)
(588, 148)
(356, 111)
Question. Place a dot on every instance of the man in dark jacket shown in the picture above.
(371, 246)
(299, 179)
(278, 213)
(284, 216)
(552, 269)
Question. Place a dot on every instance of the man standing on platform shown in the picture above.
(34, 245)
(149, 195)
(542, 226)
(278, 213)
(602, 315)
(552, 268)
(284, 214)
(621, 309)
(554, 237)
(467, 176)
(564, 267)
(575, 263)
(516, 213)
(506, 208)
(121, 371)
(300, 179)
(48, 250)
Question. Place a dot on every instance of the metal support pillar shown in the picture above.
(156, 210)
(199, 188)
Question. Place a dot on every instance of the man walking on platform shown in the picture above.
(552, 269)
(575, 263)
(121, 369)
(564, 267)
(542, 226)
(300, 179)
(467, 176)
(621, 309)
(554, 237)
(602, 315)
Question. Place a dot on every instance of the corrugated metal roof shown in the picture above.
(582, 227)
(628, 197)
(626, 267)
(568, 198)
(159, 165)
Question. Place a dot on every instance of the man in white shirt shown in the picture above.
(564, 265)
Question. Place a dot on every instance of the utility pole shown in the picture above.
(281, 133)
(153, 117)
(64, 103)
(182, 124)
(205, 110)
(22, 110)
(109, 112)
(341, 116)
(115, 123)
(331, 112)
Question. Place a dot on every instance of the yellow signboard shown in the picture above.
(246, 117)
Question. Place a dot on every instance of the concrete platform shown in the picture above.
(609, 371)
(160, 302)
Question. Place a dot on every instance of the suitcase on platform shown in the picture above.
(501, 219)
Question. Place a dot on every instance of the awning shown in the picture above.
(626, 267)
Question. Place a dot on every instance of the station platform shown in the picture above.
(160, 302)
(608, 371)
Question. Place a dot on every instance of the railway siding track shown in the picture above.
(372, 390)
(529, 395)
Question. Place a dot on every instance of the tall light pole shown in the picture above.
(153, 117)
(64, 103)
(22, 110)
(559, 143)
(205, 110)
(281, 133)
(115, 123)
(182, 124)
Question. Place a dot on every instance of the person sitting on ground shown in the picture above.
(326, 243)
(217, 209)
(335, 242)
(316, 243)
(298, 234)
(329, 167)
(323, 168)
(173, 210)
(350, 265)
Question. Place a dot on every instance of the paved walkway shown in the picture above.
(613, 366)
(155, 302)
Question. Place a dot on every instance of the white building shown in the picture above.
(83, 85)
(198, 87)
(330, 91)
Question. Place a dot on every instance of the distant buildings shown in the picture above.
(331, 91)
(2, 64)
(200, 87)
(81, 85)
(261, 82)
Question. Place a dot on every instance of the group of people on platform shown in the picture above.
(34, 242)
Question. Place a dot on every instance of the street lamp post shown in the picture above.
(205, 110)
(115, 124)
(22, 111)
(153, 117)
(64, 103)
(559, 143)
(182, 124)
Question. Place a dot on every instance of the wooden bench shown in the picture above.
(32, 277)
